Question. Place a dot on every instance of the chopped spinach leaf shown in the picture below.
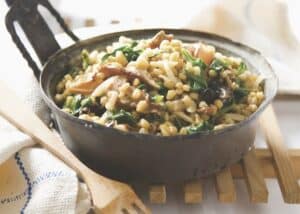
(240, 93)
(123, 116)
(179, 123)
(218, 65)
(154, 117)
(196, 82)
(85, 59)
(73, 103)
(130, 54)
(127, 50)
(242, 67)
(195, 61)
(77, 103)
(202, 127)
(86, 102)
(141, 86)
(163, 90)
(134, 44)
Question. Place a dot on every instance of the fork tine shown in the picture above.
(138, 203)
(139, 210)
(131, 210)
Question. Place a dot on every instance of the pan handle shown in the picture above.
(42, 39)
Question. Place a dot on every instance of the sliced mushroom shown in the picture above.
(85, 84)
(158, 38)
(144, 77)
(113, 82)
(130, 74)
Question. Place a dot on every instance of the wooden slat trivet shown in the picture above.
(225, 187)
(157, 194)
(193, 192)
(286, 176)
(276, 162)
(254, 178)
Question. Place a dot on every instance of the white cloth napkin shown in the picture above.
(266, 25)
(34, 181)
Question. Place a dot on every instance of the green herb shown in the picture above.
(85, 59)
(196, 82)
(162, 90)
(195, 61)
(157, 98)
(127, 50)
(73, 103)
(227, 106)
(242, 67)
(240, 93)
(179, 123)
(153, 117)
(77, 103)
(141, 86)
(202, 127)
(134, 44)
(218, 65)
(86, 102)
(123, 116)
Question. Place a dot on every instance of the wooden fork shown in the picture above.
(108, 196)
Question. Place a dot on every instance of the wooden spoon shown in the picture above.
(108, 196)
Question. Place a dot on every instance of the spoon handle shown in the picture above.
(18, 114)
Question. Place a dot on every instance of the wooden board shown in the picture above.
(286, 176)
(254, 179)
(157, 194)
(193, 192)
(224, 180)
(225, 187)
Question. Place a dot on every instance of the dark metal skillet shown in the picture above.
(130, 156)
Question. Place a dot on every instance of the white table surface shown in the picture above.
(288, 112)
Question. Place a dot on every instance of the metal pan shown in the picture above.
(131, 156)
